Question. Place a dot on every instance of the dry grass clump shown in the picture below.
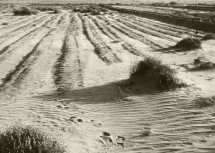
(52, 9)
(93, 10)
(205, 101)
(152, 70)
(189, 43)
(5, 23)
(45, 8)
(209, 36)
(28, 139)
(24, 11)
(76, 9)
(202, 65)
(56, 11)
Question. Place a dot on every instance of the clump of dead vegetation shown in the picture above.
(93, 10)
(76, 9)
(55, 10)
(152, 70)
(24, 11)
(44, 9)
(5, 23)
(202, 64)
(189, 43)
(28, 139)
(205, 101)
(209, 36)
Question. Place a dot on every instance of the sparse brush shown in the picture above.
(205, 101)
(85, 10)
(43, 8)
(104, 10)
(95, 12)
(28, 139)
(76, 10)
(152, 70)
(202, 65)
(189, 43)
(209, 36)
(56, 11)
(5, 23)
(24, 11)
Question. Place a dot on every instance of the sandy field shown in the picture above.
(65, 71)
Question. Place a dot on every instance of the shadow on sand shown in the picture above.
(171, 49)
(108, 93)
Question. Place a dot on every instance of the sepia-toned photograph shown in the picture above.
(107, 76)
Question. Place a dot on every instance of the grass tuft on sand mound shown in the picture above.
(189, 43)
(152, 70)
(209, 36)
(205, 101)
(28, 139)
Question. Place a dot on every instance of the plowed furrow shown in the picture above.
(112, 34)
(24, 28)
(144, 30)
(132, 33)
(31, 32)
(155, 23)
(105, 30)
(62, 20)
(16, 22)
(23, 47)
(114, 45)
(37, 18)
(150, 36)
(68, 70)
(101, 49)
(168, 27)
(22, 65)
(166, 24)
(149, 29)
(10, 20)
(37, 75)
(58, 68)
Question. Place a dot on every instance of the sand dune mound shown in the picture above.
(152, 70)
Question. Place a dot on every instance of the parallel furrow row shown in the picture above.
(39, 35)
(132, 33)
(111, 34)
(36, 19)
(22, 65)
(101, 49)
(162, 25)
(17, 22)
(147, 30)
(31, 32)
